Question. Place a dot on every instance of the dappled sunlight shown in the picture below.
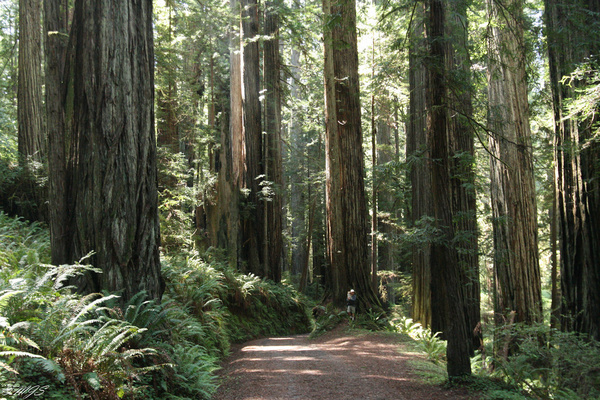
(275, 348)
(297, 368)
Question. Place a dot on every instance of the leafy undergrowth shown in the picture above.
(56, 344)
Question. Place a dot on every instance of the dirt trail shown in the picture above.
(335, 366)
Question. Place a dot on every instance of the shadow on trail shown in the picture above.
(344, 367)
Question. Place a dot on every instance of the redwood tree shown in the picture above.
(516, 262)
(573, 43)
(252, 214)
(447, 296)
(29, 92)
(419, 171)
(273, 243)
(347, 223)
(113, 208)
(56, 44)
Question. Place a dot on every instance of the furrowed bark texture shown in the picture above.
(447, 303)
(462, 175)
(273, 159)
(29, 89)
(56, 44)
(572, 40)
(114, 192)
(253, 215)
(238, 151)
(516, 263)
(347, 224)
(419, 173)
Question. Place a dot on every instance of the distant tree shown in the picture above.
(573, 47)
(167, 119)
(347, 224)
(298, 170)
(516, 260)
(29, 94)
(111, 181)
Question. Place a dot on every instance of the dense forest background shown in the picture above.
(245, 161)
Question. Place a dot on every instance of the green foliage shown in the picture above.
(427, 342)
(548, 363)
(583, 107)
(90, 346)
(176, 201)
(371, 320)
(22, 185)
(328, 318)
(433, 346)
(261, 307)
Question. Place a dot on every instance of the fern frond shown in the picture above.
(91, 306)
(51, 367)
(6, 295)
(8, 368)
(16, 353)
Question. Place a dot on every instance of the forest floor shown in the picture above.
(341, 364)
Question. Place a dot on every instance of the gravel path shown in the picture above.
(336, 366)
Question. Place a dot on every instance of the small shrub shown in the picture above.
(371, 320)
(328, 318)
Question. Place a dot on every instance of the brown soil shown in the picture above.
(338, 365)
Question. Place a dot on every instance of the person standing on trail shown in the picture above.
(351, 302)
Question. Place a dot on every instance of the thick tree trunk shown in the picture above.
(114, 193)
(56, 44)
(347, 224)
(516, 269)
(274, 163)
(29, 91)
(253, 213)
(572, 39)
(462, 175)
(419, 172)
(238, 151)
(446, 284)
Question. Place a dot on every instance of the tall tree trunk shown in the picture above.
(222, 210)
(374, 198)
(347, 225)
(572, 39)
(114, 192)
(298, 176)
(56, 44)
(29, 92)
(385, 201)
(516, 263)
(419, 175)
(462, 175)
(273, 159)
(253, 219)
(446, 284)
(238, 150)
(555, 307)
